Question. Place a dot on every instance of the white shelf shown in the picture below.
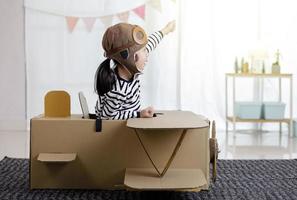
(259, 75)
(237, 119)
(234, 120)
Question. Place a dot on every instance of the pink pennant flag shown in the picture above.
(89, 22)
(106, 20)
(71, 22)
(140, 11)
(123, 16)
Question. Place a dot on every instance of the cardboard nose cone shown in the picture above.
(57, 104)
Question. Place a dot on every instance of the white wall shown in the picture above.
(12, 66)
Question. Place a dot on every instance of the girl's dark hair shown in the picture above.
(104, 78)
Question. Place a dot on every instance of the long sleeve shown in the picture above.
(114, 108)
(153, 41)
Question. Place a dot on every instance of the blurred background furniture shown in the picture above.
(234, 119)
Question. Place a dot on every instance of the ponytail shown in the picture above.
(104, 78)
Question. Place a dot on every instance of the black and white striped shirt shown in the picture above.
(123, 100)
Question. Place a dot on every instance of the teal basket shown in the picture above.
(248, 110)
(274, 110)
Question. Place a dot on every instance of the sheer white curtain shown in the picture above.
(214, 32)
(185, 72)
(59, 60)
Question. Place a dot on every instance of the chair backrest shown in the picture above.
(84, 105)
(57, 104)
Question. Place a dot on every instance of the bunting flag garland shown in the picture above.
(156, 4)
(140, 11)
(71, 22)
(89, 22)
(106, 20)
(123, 16)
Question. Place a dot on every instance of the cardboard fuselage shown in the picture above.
(68, 153)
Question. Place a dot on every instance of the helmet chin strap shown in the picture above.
(126, 69)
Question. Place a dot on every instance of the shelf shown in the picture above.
(285, 120)
(174, 179)
(236, 76)
(259, 75)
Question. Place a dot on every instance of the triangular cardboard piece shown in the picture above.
(168, 160)
(165, 120)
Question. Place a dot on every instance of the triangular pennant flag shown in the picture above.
(123, 16)
(71, 22)
(156, 4)
(106, 20)
(140, 11)
(89, 22)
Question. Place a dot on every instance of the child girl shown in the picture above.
(127, 46)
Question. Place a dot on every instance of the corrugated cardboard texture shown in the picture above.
(175, 179)
(103, 157)
(56, 157)
(169, 120)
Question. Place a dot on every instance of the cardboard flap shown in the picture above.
(175, 179)
(84, 105)
(57, 104)
(169, 120)
(56, 157)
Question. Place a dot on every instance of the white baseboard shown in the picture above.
(13, 125)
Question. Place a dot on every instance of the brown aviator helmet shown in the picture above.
(120, 43)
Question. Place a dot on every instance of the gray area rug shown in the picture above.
(237, 179)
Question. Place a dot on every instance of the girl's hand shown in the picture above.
(147, 112)
(170, 27)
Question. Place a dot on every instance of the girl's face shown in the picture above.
(140, 58)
